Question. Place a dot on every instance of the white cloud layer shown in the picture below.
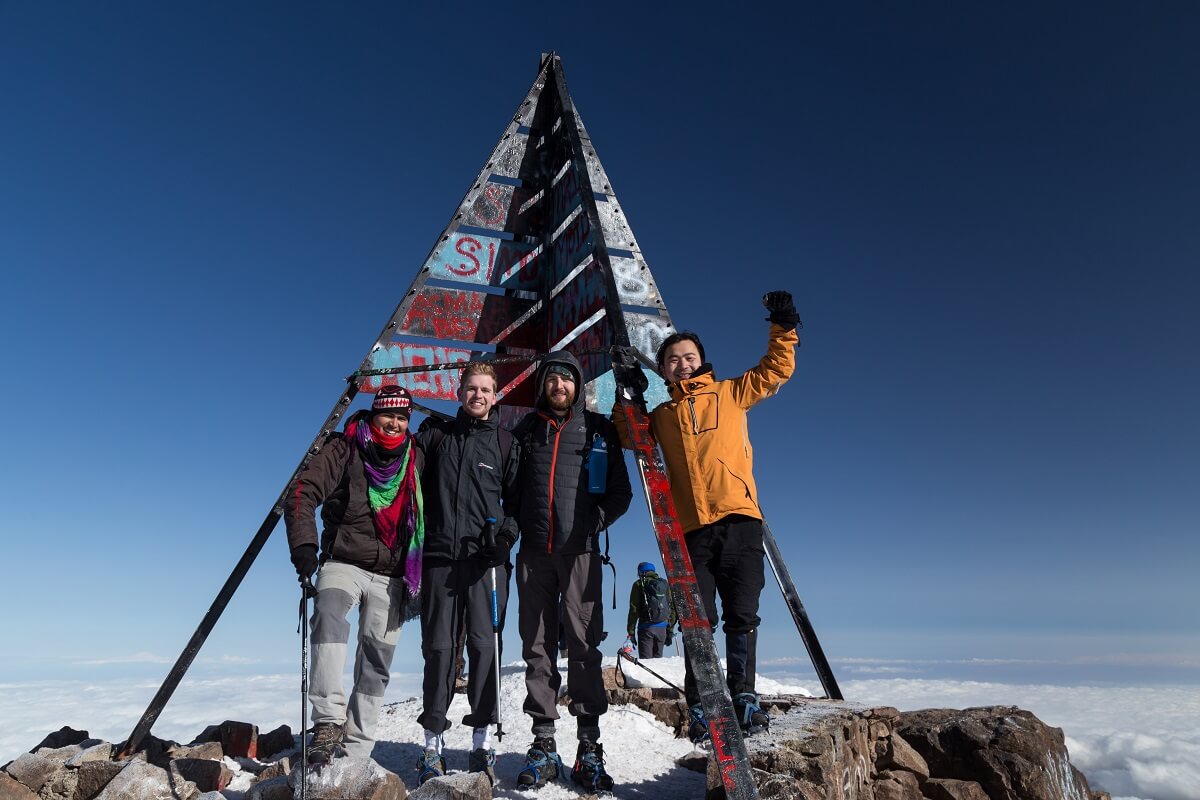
(1130, 741)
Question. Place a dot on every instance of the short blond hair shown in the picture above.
(480, 368)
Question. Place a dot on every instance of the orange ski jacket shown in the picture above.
(704, 439)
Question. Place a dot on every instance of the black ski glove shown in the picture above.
(628, 370)
(304, 559)
(670, 636)
(783, 310)
(495, 554)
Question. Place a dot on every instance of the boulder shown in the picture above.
(13, 789)
(210, 750)
(61, 738)
(1011, 753)
(897, 785)
(276, 768)
(276, 741)
(351, 779)
(141, 780)
(103, 751)
(899, 754)
(209, 776)
(276, 788)
(93, 776)
(950, 789)
(33, 771)
(459, 786)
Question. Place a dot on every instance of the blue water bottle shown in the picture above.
(597, 466)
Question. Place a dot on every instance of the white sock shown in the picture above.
(433, 741)
(479, 738)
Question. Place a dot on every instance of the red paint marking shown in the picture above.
(473, 244)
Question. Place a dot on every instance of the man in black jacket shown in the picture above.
(574, 484)
(367, 483)
(470, 482)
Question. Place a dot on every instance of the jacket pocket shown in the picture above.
(702, 412)
(730, 492)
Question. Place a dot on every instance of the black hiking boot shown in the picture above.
(430, 765)
(326, 744)
(542, 764)
(589, 770)
(749, 714)
(484, 761)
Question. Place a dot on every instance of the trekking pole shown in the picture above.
(626, 652)
(306, 588)
(489, 538)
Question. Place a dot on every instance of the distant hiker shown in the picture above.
(651, 613)
(367, 483)
(470, 477)
(574, 484)
(705, 442)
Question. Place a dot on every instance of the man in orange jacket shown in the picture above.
(706, 446)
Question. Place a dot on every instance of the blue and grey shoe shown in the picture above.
(750, 714)
(542, 764)
(589, 769)
(430, 765)
(697, 724)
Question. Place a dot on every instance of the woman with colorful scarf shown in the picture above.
(367, 484)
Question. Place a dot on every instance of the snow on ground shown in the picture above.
(639, 750)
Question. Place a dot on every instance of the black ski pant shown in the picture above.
(542, 579)
(727, 557)
(457, 595)
(651, 641)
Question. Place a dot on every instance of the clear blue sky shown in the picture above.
(989, 218)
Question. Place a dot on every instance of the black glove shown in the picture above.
(495, 554)
(783, 310)
(628, 370)
(304, 559)
(670, 636)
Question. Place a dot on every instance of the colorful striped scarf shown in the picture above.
(394, 494)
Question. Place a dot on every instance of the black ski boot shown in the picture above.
(589, 769)
(326, 744)
(749, 714)
(542, 764)
(697, 724)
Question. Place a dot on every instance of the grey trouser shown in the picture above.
(380, 600)
(651, 641)
(457, 594)
(541, 579)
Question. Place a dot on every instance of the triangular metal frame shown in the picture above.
(538, 256)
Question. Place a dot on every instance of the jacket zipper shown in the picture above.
(553, 463)
(695, 422)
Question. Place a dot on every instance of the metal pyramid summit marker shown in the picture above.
(537, 257)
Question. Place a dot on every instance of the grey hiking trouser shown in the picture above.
(381, 601)
(541, 579)
(457, 594)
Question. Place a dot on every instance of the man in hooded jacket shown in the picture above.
(568, 496)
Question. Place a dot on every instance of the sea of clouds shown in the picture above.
(1135, 742)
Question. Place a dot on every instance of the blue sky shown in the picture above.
(988, 218)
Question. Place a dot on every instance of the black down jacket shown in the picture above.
(557, 512)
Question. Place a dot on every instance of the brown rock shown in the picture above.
(97, 752)
(273, 789)
(459, 786)
(93, 776)
(899, 754)
(141, 780)
(209, 776)
(61, 738)
(696, 762)
(12, 789)
(210, 750)
(1009, 752)
(897, 785)
(880, 730)
(33, 771)
(950, 789)
(356, 779)
(276, 741)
